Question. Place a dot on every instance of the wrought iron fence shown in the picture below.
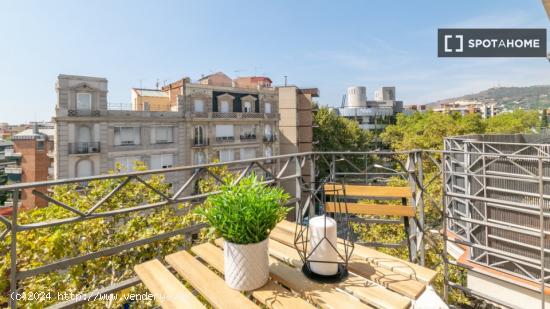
(428, 173)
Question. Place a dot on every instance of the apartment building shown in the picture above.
(465, 107)
(35, 148)
(183, 123)
(371, 114)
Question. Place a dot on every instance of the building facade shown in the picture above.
(466, 107)
(191, 123)
(371, 114)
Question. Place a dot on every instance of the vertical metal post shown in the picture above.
(312, 185)
(298, 188)
(13, 250)
(420, 206)
(541, 223)
(412, 227)
(366, 169)
(444, 217)
(333, 168)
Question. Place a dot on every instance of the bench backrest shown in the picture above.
(364, 191)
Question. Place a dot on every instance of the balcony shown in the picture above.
(269, 138)
(200, 142)
(225, 139)
(84, 113)
(247, 137)
(446, 188)
(84, 148)
(9, 153)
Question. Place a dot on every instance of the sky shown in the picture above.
(325, 44)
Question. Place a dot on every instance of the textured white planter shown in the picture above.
(246, 267)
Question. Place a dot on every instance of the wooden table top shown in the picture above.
(376, 280)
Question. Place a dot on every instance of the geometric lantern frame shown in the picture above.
(344, 244)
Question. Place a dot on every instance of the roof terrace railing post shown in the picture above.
(444, 229)
(542, 236)
(312, 185)
(413, 228)
(419, 199)
(298, 188)
(333, 168)
(13, 250)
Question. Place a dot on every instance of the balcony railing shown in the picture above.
(83, 148)
(196, 142)
(225, 139)
(294, 172)
(84, 113)
(270, 138)
(248, 137)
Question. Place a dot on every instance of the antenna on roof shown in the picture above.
(285, 80)
(157, 83)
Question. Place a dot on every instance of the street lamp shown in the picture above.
(385, 168)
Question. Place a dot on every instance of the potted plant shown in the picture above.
(244, 215)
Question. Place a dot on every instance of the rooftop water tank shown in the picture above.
(357, 96)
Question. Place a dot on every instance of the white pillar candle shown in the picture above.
(323, 252)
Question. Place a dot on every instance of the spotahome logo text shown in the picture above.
(492, 43)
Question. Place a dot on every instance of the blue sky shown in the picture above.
(324, 44)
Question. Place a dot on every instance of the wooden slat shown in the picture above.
(169, 292)
(399, 266)
(369, 191)
(272, 295)
(365, 290)
(401, 284)
(323, 295)
(207, 283)
(372, 209)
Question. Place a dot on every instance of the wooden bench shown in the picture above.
(353, 191)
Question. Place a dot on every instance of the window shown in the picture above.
(199, 158)
(224, 130)
(268, 132)
(268, 108)
(162, 135)
(127, 136)
(248, 153)
(199, 106)
(40, 144)
(162, 161)
(224, 107)
(126, 163)
(227, 155)
(146, 106)
(83, 101)
(247, 107)
(268, 152)
(248, 131)
(198, 136)
(84, 168)
(84, 135)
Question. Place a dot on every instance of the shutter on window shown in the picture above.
(237, 105)
(215, 104)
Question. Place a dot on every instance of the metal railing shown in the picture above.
(247, 136)
(84, 147)
(302, 175)
(198, 142)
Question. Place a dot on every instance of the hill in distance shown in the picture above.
(509, 98)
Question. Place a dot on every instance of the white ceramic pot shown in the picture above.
(246, 267)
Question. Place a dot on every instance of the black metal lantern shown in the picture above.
(324, 242)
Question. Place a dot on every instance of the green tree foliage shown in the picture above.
(518, 121)
(39, 247)
(544, 119)
(335, 133)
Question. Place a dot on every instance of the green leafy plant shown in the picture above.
(245, 213)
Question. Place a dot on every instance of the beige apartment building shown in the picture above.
(183, 123)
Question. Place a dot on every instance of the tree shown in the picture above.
(518, 121)
(544, 119)
(43, 246)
